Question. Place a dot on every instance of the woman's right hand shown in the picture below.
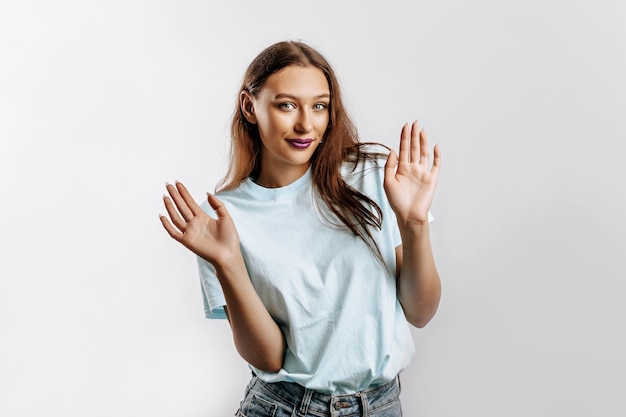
(216, 241)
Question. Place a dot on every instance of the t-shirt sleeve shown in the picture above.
(212, 295)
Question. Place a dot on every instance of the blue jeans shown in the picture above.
(286, 399)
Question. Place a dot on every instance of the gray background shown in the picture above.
(102, 102)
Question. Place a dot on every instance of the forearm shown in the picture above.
(419, 286)
(257, 337)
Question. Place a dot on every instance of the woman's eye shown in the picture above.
(286, 106)
(320, 106)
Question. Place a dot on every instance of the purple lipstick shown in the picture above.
(300, 143)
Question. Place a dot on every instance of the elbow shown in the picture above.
(268, 365)
(419, 318)
(422, 307)
(419, 322)
(270, 360)
(270, 370)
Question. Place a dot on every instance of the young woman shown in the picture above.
(317, 249)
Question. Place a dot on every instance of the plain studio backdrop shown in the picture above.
(102, 102)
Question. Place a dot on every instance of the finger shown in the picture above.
(180, 203)
(404, 156)
(436, 160)
(392, 161)
(171, 230)
(424, 154)
(390, 165)
(218, 206)
(171, 210)
(415, 141)
(191, 203)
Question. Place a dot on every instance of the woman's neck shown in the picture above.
(276, 178)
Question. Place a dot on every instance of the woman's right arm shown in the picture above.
(257, 337)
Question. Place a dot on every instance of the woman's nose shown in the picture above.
(304, 123)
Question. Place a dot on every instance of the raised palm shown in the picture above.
(215, 240)
(410, 182)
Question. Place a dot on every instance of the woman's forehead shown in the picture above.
(298, 82)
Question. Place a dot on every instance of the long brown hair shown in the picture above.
(340, 144)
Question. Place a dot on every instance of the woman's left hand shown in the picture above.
(409, 182)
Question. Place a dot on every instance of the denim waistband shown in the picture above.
(305, 401)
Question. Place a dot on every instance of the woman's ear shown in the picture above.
(246, 102)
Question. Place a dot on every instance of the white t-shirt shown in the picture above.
(333, 300)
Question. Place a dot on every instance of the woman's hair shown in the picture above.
(340, 143)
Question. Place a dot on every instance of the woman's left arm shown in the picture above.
(410, 185)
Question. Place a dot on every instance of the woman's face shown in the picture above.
(292, 114)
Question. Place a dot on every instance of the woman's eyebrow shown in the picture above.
(290, 96)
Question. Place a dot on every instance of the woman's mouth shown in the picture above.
(300, 143)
